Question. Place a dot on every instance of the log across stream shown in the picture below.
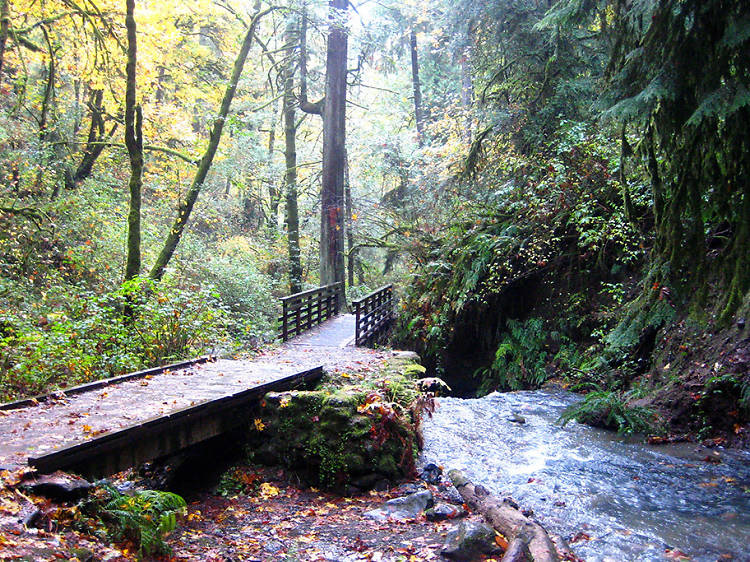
(614, 499)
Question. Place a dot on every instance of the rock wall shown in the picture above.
(348, 436)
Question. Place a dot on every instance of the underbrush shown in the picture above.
(540, 273)
(143, 519)
(611, 410)
(66, 317)
(73, 339)
(549, 221)
(520, 360)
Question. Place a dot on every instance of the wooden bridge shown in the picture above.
(106, 426)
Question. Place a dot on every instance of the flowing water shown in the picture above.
(633, 501)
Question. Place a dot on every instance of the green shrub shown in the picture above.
(144, 518)
(92, 336)
(520, 358)
(610, 410)
(171, 322)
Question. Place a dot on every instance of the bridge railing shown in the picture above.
(373, 314)
(307, 309)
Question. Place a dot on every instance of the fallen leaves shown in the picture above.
(268, 491)
(675, 554)
(501, 541)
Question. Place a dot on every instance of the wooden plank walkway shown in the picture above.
(125, 414)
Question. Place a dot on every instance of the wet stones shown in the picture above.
(432, 473)
(469, 540)
(406, 507)
(444, 511)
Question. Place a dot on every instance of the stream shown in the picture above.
(626, 501)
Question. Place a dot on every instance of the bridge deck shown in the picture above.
(94, 416)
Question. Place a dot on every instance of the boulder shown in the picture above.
(431, 473)
(341, 437)
(406, 507)
(470, 540)
(59, 486)
(442, 511)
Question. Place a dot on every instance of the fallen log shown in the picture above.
(526, 537)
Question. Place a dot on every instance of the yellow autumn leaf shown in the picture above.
(268, 490)
(259, 425)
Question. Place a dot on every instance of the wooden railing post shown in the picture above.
(372, 314)
(284, 321)
(297, 318)
(301, 311)
(357, 312)
(309, 312)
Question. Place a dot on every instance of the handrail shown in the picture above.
(374, 313)
(301, 311)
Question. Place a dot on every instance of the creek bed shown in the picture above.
(623, 500)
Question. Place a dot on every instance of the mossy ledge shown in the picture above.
(354, 432)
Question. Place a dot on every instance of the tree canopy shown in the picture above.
(566, 180)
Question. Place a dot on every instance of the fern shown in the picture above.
(610, 410)
(520, 358)
(725, 101)
(144, 518)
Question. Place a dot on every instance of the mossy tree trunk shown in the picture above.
(4, 30)
(186, 206)
(134, 143)
(334, 142)
(290, 158)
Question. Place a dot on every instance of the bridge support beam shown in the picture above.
(162, 436)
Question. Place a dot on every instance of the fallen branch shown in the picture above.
(524, 535)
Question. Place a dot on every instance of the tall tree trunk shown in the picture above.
(186, 206)
(4, 28)
(467, 93)
(290, 173)
(418, 117)
(351, 252)
(274, 193)
(134, 143)
(334, 137)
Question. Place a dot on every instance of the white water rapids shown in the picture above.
(634, 502)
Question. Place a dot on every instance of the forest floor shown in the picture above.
(281, 521)
(697, 377)
(285, 522)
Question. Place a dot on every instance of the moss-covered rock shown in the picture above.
(344, 434)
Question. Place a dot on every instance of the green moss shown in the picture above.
(343, 432)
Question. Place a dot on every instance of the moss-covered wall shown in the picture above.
(342, 434)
